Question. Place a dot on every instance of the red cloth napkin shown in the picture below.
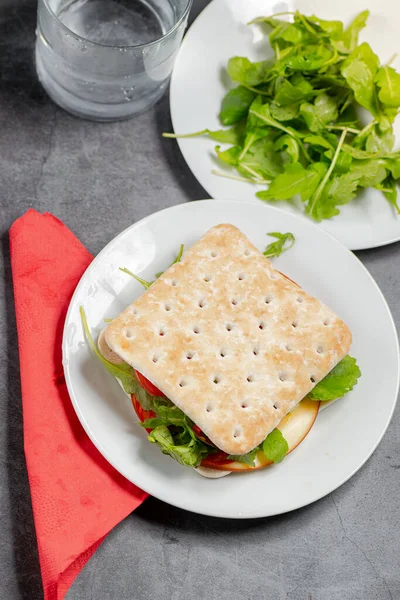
(77, 496)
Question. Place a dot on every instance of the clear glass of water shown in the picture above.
(108, 59)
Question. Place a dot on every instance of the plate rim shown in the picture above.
(357, 247)
(98, 444)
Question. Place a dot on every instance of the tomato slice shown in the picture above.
(202, 436)
(213, 461)
(147, 385)
(141, 413)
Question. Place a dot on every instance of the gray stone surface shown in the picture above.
(97, 179)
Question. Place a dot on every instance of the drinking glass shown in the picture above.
(108, 59)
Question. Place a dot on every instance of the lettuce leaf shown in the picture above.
(167, 414)
(338, 382)
(173, 433)
(189, 454)
(275, 447)
(123, 372)
(146, 400)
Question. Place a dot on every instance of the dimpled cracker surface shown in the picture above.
(229, 340)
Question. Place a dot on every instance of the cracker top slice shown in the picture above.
(229, 340)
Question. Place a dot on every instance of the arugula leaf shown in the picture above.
(290, 145)
(338, 191)
(288, 32)
(246, 459)
(302, 83)
(275, 447)
(358, 152)
(389, 188)
(279, 29)
(343, 164)
(319, 140)
(241, 70)
(319, 169)
(350, 36)
(318, 115)
(233, 135)
(311, 58)
(229, 156)
(334, 29)
(388, 114)
(293, 91)
(263, 115)
(177, 259)
(379, 141)
(393, 165)
(388, 81)
(284, 242)
(370, 172)
(338, 382)
(147, 284)
(235, 105)
(261, 160)
(341, 189)
(360, 69)
(143, 282)
(348, 115)
(294, 180)
(312, 209)
(297, 125)
(252, 136)
(284, 113)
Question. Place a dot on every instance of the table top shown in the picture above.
(99, 178)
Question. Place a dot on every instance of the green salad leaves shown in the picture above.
(124, 373)
(147, 284)
(284, 242)
(172, 432)
(275, 448)
(294, 120)
(184, 447)
(338, 382)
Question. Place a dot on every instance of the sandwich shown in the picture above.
(226, 359)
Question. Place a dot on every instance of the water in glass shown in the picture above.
(108, 59)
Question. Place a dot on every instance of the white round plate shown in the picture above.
(199, 82)
(344, 435)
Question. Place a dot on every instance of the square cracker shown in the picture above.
(230, 340)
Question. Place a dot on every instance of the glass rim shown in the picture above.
(130, 47)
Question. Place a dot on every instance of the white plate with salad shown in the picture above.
(341, 438)
(312, 116)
